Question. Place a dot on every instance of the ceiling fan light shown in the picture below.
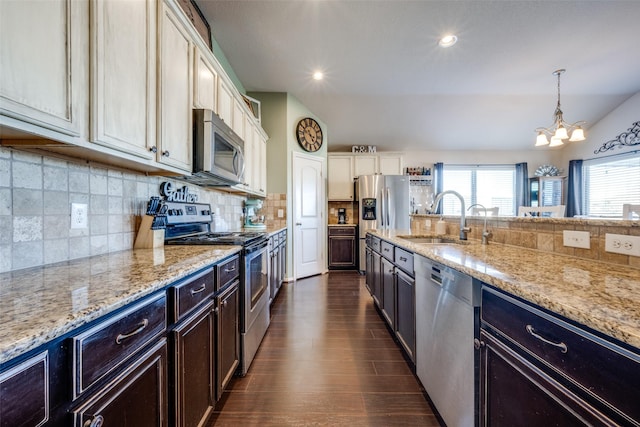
(541, 140)
(577, 135)
(561, 133)
(555, 141)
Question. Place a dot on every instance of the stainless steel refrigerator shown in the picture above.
(383, 204)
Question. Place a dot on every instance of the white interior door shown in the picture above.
(308, 219)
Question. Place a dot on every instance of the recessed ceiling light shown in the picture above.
(318, 75)
(448, 40)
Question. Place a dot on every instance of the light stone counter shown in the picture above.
(40, 304)
(274, 230)
(602, 296)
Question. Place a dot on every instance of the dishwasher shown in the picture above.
(447, 322)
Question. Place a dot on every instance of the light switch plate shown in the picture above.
(79, 215)
(576, 239)
(280, 213)
(622, 244)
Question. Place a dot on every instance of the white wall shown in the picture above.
(617, 121)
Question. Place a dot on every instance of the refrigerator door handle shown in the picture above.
(390, 215)
(382, 209)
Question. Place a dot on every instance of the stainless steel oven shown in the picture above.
(189, 224)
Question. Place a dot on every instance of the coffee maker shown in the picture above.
(342, 216)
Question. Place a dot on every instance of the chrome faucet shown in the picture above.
(463, 225)
(485, 233)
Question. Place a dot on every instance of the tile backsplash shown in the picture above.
(36, 193)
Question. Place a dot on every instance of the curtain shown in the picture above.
(438, 174)
(522, 186)
(574, 189)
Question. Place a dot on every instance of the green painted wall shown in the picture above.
(222, 59)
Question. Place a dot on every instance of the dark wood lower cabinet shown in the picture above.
(135, 398)
(24, 393)
(193, 386)
(514, 392)
(228, 336)
(405, 313)
(388, 282)
(342, 248)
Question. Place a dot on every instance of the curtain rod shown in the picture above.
(614, 155)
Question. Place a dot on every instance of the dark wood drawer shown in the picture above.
(342, 231)
(375, 244)
(24, 393)
(404, 260)
(104, 347)
(228, 271)
(600, 368)
(190, 293)
(386, 250)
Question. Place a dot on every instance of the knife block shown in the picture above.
(146, 237)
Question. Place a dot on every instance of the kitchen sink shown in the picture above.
(432, 240)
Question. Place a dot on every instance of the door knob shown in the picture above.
(298, 223)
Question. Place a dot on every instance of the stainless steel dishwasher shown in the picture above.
(447, 308)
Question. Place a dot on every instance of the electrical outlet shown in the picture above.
(280, 213)
(576, 239)
(79, 215)
(622, 244)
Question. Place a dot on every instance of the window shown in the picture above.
(609, 183)
(491, 186)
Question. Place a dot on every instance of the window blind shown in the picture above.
(490, 185)
(609, 183)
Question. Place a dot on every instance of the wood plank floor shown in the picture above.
(327, 360)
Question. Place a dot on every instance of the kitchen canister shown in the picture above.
(441, 227)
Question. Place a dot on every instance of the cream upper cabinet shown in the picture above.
(225, 102)
(260, 143)
(205, 82)
(123, 82)
(175, 105)
(238, 119)
(340, 177)
(365, 165)
(249, 169)
(43, 73)
(391, 164)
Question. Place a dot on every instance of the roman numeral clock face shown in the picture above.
(309, 134)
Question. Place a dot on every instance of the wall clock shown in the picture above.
(309, 134)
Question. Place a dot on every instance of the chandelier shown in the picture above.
(559, 130)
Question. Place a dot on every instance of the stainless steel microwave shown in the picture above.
(218, 157)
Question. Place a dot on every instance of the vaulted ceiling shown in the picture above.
(388, 83)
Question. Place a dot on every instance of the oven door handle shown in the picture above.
(257, 247)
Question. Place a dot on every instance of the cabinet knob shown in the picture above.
(153, 149)
(477, 344)
(165, 153)
(96, 421)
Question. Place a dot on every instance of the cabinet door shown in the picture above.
(225, 102)
(365, 165)
(135, 398)
(377, 278)
(388, 303)
(390, 164)
(405, 313)
(43, 74)
(514, 392)
(261, 142)
(283, 259)
(194, 368)
(228, 337)
(205, 82)
(250, 173)
(175, 135)
(24, 393)
(340, 177)
(368, 269)
(238, 119)
(342, 251)
(123, 84)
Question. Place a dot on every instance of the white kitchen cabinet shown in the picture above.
(260, 142)
(44, 72)
(175, 112)
(340, 177)
(123, 82)
(365, 165)
(238, 119)
(248, 156)
(225, 102)
(391, 164)
(205, 82)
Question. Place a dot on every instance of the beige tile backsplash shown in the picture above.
(36, 193)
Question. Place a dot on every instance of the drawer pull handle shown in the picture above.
(200, 289)
(403, 259)
(562, 346)
(96, 421)
(230, 270)
(139, 329)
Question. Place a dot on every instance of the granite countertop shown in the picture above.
(604, 297)
(274, 230)
(42, 303)
(342, 225)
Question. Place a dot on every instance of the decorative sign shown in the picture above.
(363, 149)
(172, 194)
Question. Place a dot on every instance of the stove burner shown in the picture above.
(219, 238)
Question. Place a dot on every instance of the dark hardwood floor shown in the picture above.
(327, 360)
